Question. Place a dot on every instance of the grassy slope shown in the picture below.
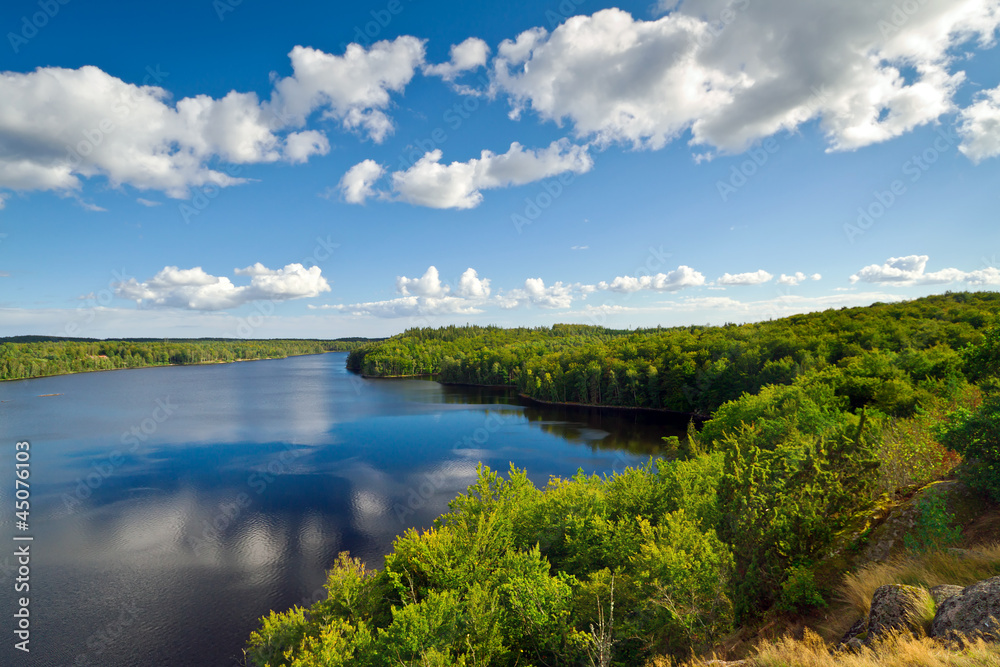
(783, 640)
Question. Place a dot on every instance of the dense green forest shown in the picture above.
(888, 354)
(815, 420)
(24, 357)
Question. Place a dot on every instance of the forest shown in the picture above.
(23, 357)
(814, 422)
(893, 355)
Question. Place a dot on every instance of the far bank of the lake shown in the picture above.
(673, 415)
(135, 368)
(22, 359)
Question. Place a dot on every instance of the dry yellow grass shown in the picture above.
(899, 650)
(926, 570)
(902, 650)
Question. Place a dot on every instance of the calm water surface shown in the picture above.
(172, 507)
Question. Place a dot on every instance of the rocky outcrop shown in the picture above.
(970, 612)
(896, 607)
(943, 592)
(974, 612)
(856, 631)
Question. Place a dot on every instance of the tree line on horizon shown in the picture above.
(889, 354)
(24, 357)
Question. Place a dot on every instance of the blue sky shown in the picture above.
(238, 169)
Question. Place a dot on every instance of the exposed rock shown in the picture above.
(973, 612)
(894, 607)
(943, 592)
(854, 644)
(887, 539)
(860, 627)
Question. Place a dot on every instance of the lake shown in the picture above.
(172, 507)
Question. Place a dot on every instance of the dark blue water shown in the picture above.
(172, 507)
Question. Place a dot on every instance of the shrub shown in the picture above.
(934, 529)
(975, 434)
(796, 473)
(513, 576)
(277, 637)
(798, 591)
(909, 454)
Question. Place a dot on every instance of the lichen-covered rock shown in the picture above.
(895, 607)
(973, 612)
(887, 539)
(859, 628)
(943, 592)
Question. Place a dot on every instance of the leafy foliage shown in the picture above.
(514, 575)
(934, 528)
(799, 591)
(796, 474)
(975, 434)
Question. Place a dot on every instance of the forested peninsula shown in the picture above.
(902, 352)
(780, 512)
(23, 357)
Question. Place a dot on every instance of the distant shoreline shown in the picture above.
(139, 368)
(672, 414)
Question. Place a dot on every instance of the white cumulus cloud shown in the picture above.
(60, 126)
(471, 286)
(980, 127)
(911, 270)
(425, 296)
(557, 295)
(732, 73)
(678, 279)
(353, 88)
(358, 184)
(465, 57)
(743, 279)
(428, 285)
(458, 184)
(796, 278)
(195, 289)
(300, 146)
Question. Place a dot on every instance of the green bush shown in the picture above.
(934, 529)
(799, 591)
(975, 434)
(796, 473)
